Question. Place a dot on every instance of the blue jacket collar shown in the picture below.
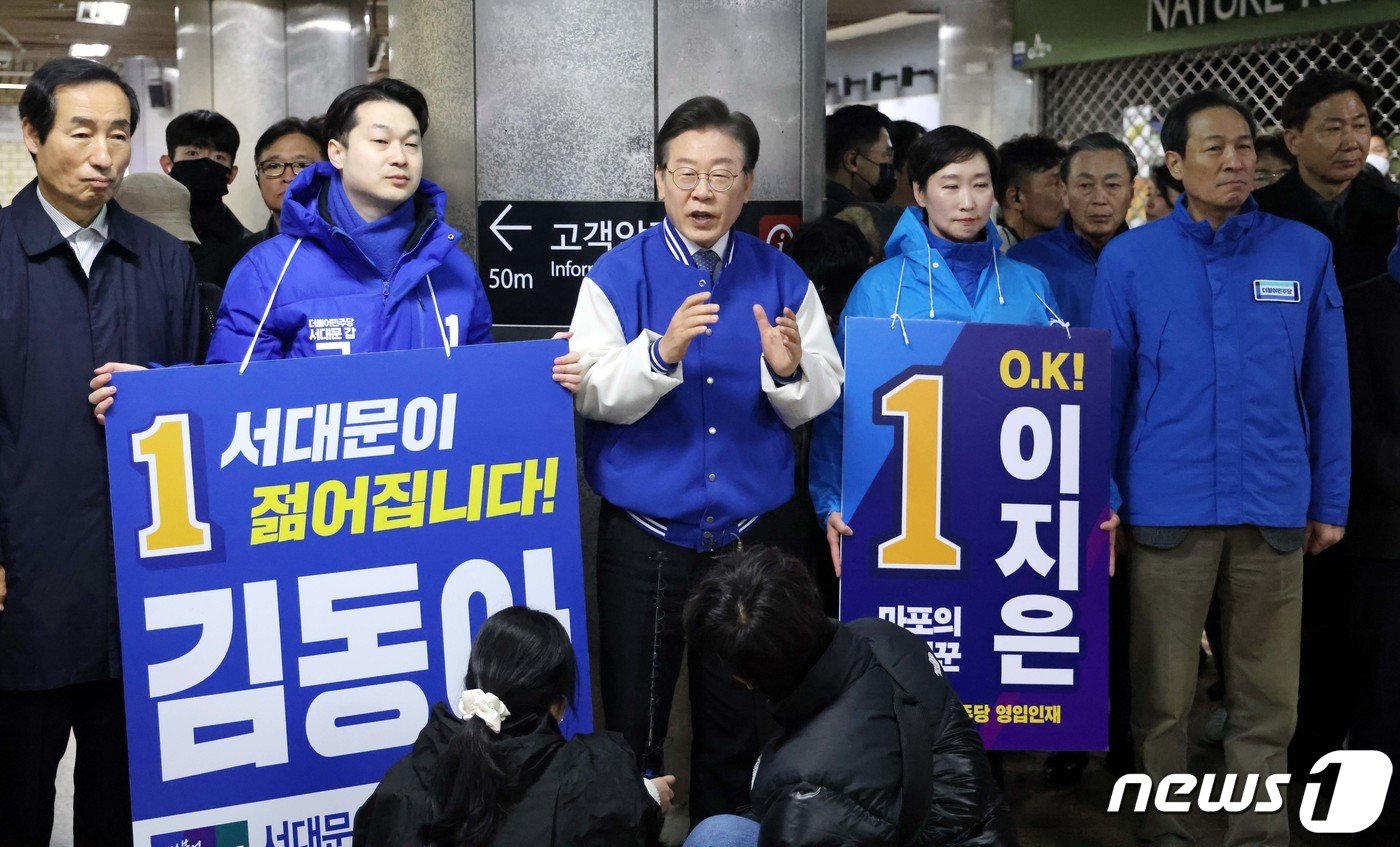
(304, 215)
(676, 245)
(910, 236)
(1231, 231)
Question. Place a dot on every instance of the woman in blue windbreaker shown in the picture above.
(943, 262)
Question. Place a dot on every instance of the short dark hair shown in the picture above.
(1163, 179)
(1025, 155)
(758, 613)
(202, 128)
(833, 253)
(283, 128)
(1273, 145)
(1176, 125)
(946, 145)
(850, 128)
(340, 117)
(39, 102)
(707, 112)
(903, 134)
(1099, 141)
(1316, 87)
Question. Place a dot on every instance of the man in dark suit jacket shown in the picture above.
(1373, 531)
(82, 282)
(1327, 127)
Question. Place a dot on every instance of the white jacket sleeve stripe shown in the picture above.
(619, 384)
(822, 371)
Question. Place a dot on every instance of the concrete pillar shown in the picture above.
(560, 99)
(978, 88)
(259, 61)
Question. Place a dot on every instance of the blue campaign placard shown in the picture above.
(975, 476)
(304, 552)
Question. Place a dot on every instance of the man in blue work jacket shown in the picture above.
(700, 347)
(1098, 175)
(1231, 425)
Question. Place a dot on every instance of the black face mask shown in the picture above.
(882, 188)
(206, 179)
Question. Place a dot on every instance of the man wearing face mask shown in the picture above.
(201, 147)
(859, 158)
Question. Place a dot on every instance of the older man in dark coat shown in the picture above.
(82, 283)
(1327, 127)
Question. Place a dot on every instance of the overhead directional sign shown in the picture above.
(534, 255)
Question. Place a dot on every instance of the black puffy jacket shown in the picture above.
(876, 749)
(584, 792)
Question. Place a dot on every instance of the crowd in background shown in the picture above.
(1255, 425)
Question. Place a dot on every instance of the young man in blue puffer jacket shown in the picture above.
(365, 261)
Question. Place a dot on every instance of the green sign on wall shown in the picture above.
(1061, 32)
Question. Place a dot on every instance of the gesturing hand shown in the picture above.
(693, 317)
(782, 343)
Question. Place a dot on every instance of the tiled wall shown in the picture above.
(16, 169)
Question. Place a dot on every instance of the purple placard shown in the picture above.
(975, 476)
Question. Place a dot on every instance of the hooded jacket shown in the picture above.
(1230, 401)
(584, 792)
(315, 293)
(916, 283)
(876, 749)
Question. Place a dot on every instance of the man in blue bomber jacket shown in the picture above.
(1231, 423)
(699, 348)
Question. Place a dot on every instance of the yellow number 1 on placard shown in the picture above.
(165, 449)
(920, 544)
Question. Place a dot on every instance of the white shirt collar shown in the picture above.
(67, 227)
(692, 248)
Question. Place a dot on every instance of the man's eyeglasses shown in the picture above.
(1264, 177)
(273, 169)
(687, 178)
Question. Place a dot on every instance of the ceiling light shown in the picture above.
(875, 26)
(104, 12)
(89, 51)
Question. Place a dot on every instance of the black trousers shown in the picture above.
(35, 727)
(1374, 615)
(643, 583)
(1327, 659)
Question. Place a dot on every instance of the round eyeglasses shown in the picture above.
(273, 169)
(686, 179)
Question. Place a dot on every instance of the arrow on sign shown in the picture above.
(497, 226)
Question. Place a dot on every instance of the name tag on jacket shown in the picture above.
(1277, 291)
